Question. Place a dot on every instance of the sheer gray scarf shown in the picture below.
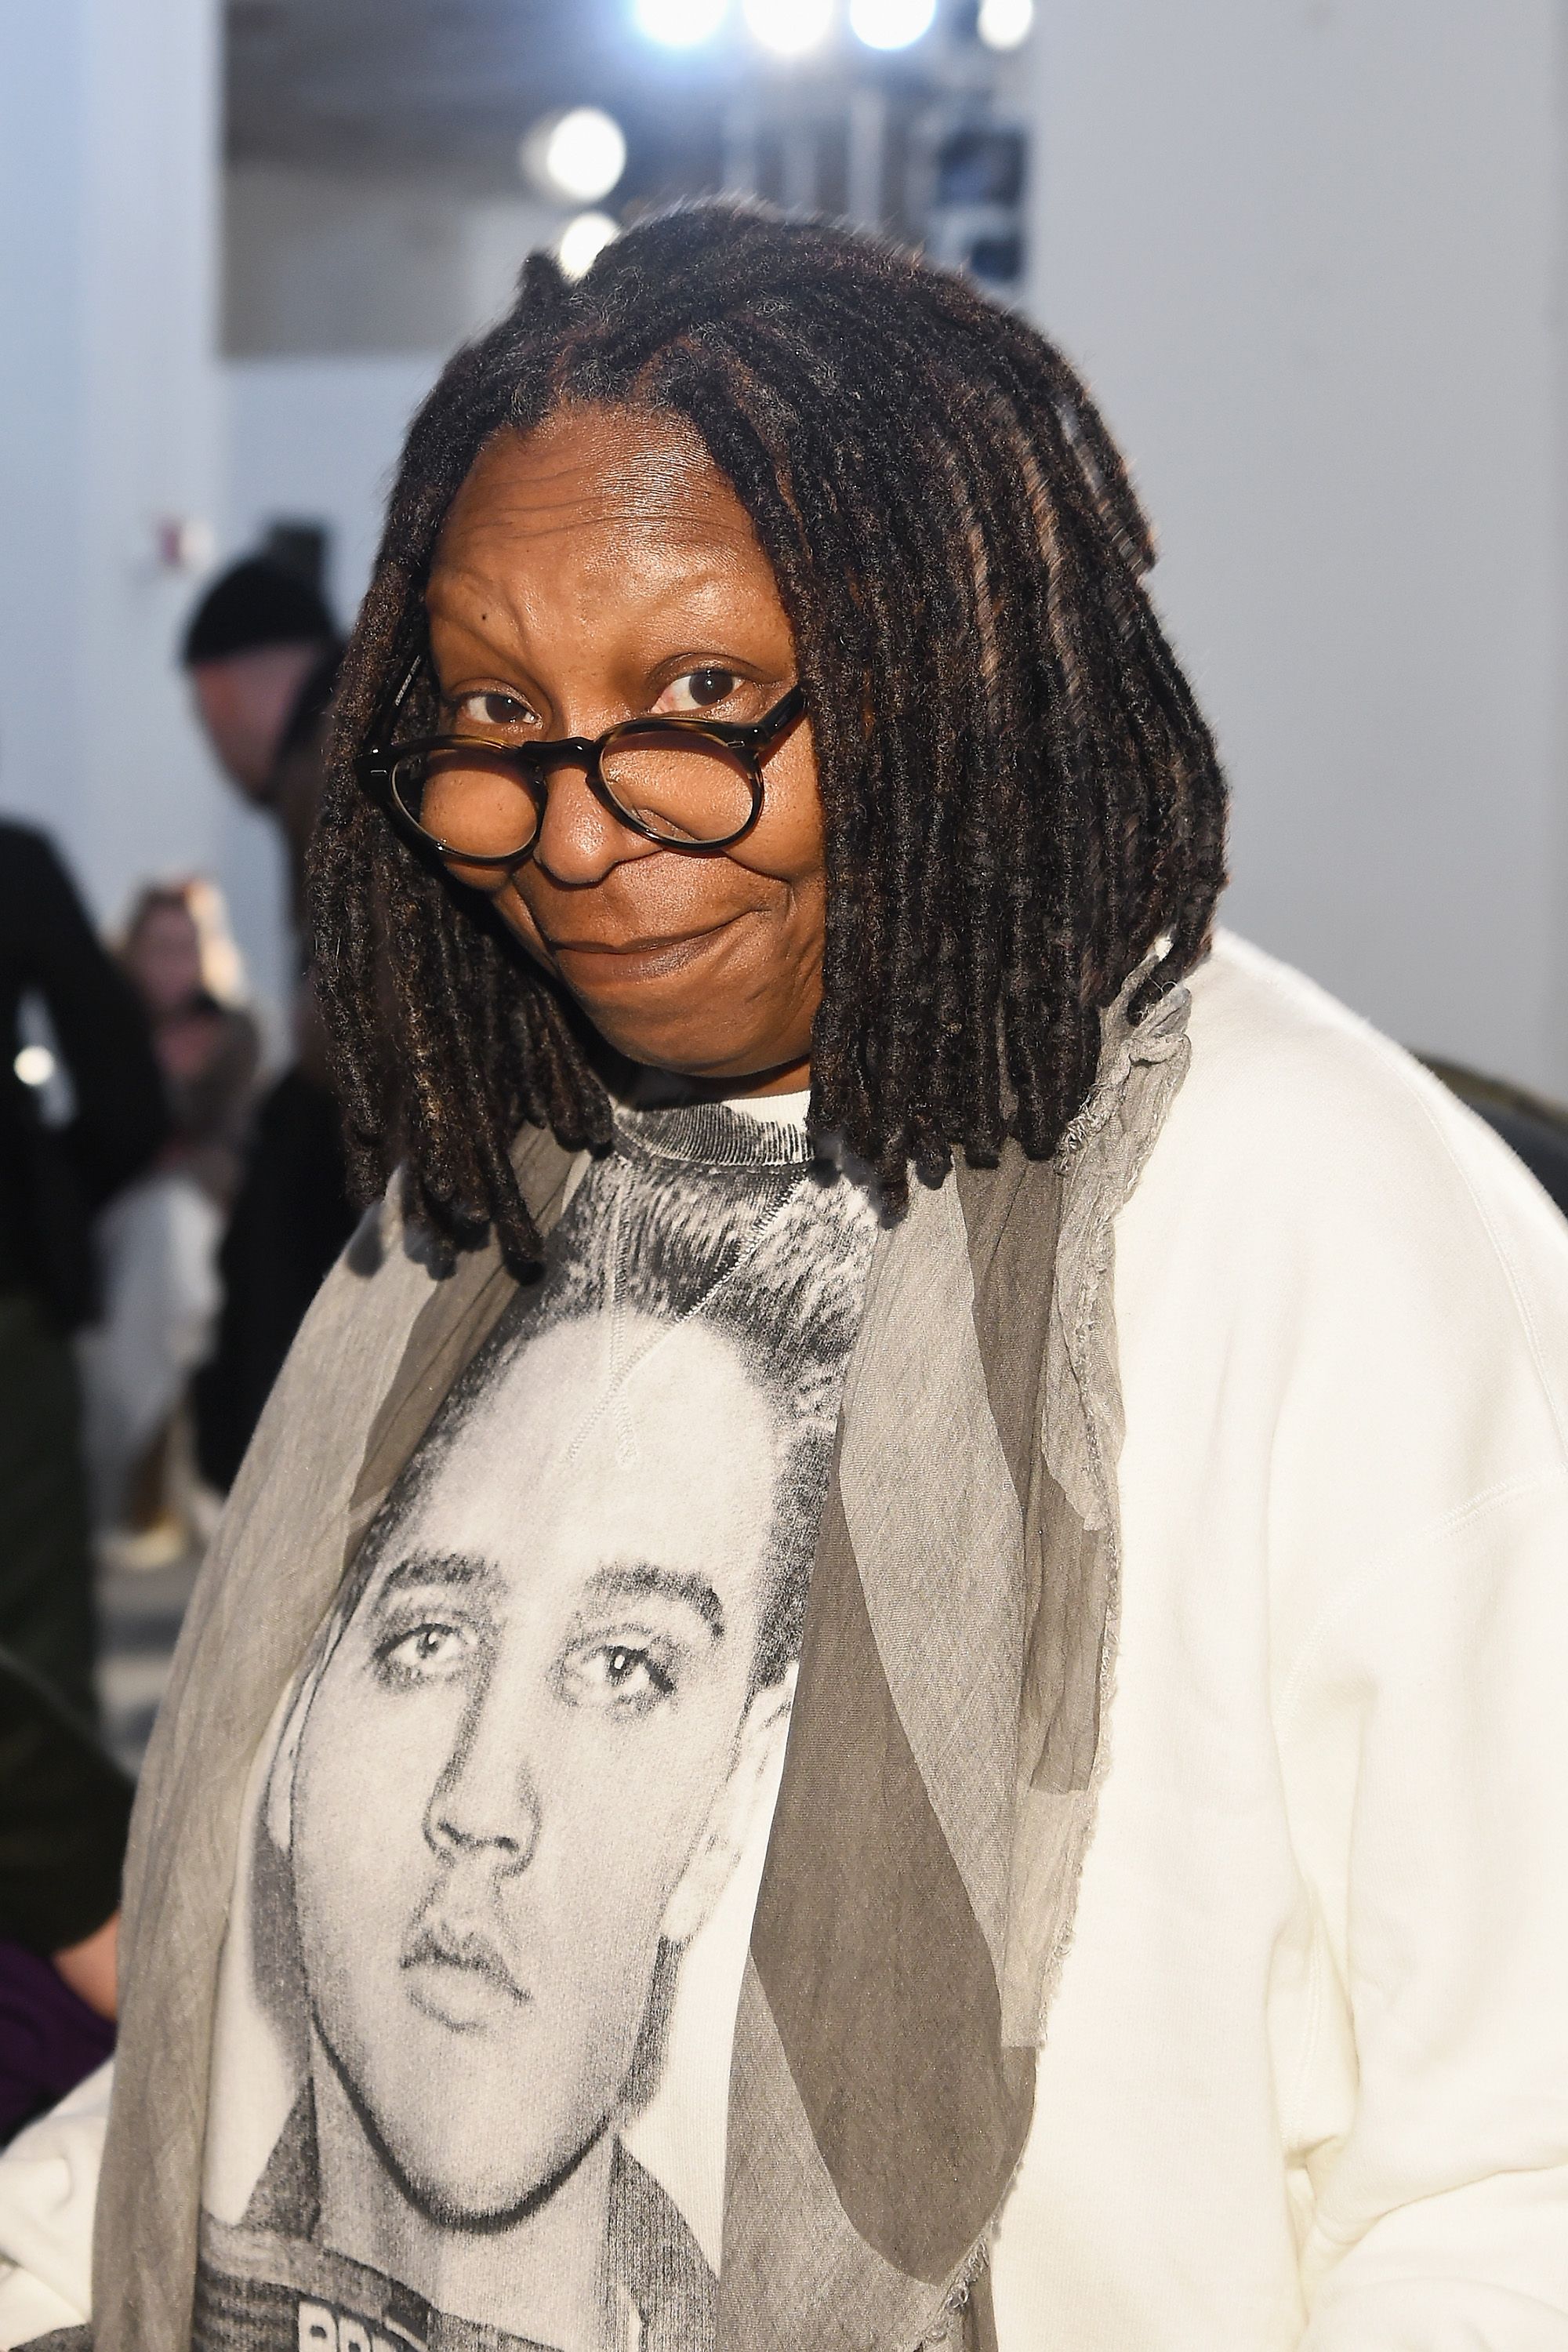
(944, 1757)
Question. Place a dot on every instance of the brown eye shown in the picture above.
(699, 689)
(493, 711)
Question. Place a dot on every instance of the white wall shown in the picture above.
(1307, 253)
(316, 264)
(319, 438)
(108, 149)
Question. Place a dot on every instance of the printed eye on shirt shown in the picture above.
(480, 1986)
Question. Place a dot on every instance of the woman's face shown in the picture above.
(598, 569)
(164, 957)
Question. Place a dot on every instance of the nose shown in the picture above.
(488, 1795)
(580, 840)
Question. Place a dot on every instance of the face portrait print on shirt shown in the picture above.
(549, 1716)
(518, 1778)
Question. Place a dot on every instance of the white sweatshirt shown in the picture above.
(1306, 2083)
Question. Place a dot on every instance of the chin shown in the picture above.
(493, 2146)
(671, 1045)
(483, 2194)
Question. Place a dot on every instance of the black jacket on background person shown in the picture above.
(54, 1179)
(64, 1807)
(291, 1218)
(64, 1811)
(293, 1213)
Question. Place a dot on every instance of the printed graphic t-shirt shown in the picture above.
(502, 1842)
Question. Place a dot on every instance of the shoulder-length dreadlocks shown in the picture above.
(1021, 797)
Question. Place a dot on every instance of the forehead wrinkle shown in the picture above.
(495, 542)
(665, 482)
(685, 592)
(706, 576)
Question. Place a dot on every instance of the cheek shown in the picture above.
(368, 1767)
(632, 1800)
(788, 838)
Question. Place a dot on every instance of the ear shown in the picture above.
(718, 1849)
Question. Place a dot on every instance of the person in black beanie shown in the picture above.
(262, 653)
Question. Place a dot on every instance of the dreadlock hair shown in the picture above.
(1022, 803)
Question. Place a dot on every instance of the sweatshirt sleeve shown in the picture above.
(1427, 1733)
(48, 2184)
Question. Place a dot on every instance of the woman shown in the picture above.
(179, 955)
(159, 1239)
(764, 803)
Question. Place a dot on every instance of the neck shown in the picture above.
(540, 2276)
(652, 1086)
(791, 1079)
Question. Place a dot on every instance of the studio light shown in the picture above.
(891, 24)
(679, 24)
(583, 240)
(789, 27)
(579, 154)
(1005, 23)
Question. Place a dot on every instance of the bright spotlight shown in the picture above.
(579, 154)
(1005, 23)
(583, 240)
(789, 27)
(891, 24)
(679, 24)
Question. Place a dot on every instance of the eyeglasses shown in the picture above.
(686, 783)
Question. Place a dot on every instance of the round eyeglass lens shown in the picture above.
(681, 788)
(476, 805)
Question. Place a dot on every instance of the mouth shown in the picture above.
(460, 1976)
(597, 961)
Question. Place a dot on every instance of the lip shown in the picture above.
(641, 959)
(462, 1978)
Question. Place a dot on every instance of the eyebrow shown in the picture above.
(454, 1568)
(638, 1577)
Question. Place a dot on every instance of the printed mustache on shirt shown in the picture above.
(441, 1942)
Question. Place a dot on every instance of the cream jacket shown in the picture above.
(1306, 2083)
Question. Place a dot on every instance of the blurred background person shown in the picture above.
(179, 954)
(54, 1178)
(262, 653)
(158, 1241)
(64, 1812)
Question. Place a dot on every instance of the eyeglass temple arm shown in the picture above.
(385, 723)
(760, 731)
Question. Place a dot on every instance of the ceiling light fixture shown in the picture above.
(1005, 23)
(577, 156)
(679, 24)
(790, 29)
(891, 24)
(583, 240)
